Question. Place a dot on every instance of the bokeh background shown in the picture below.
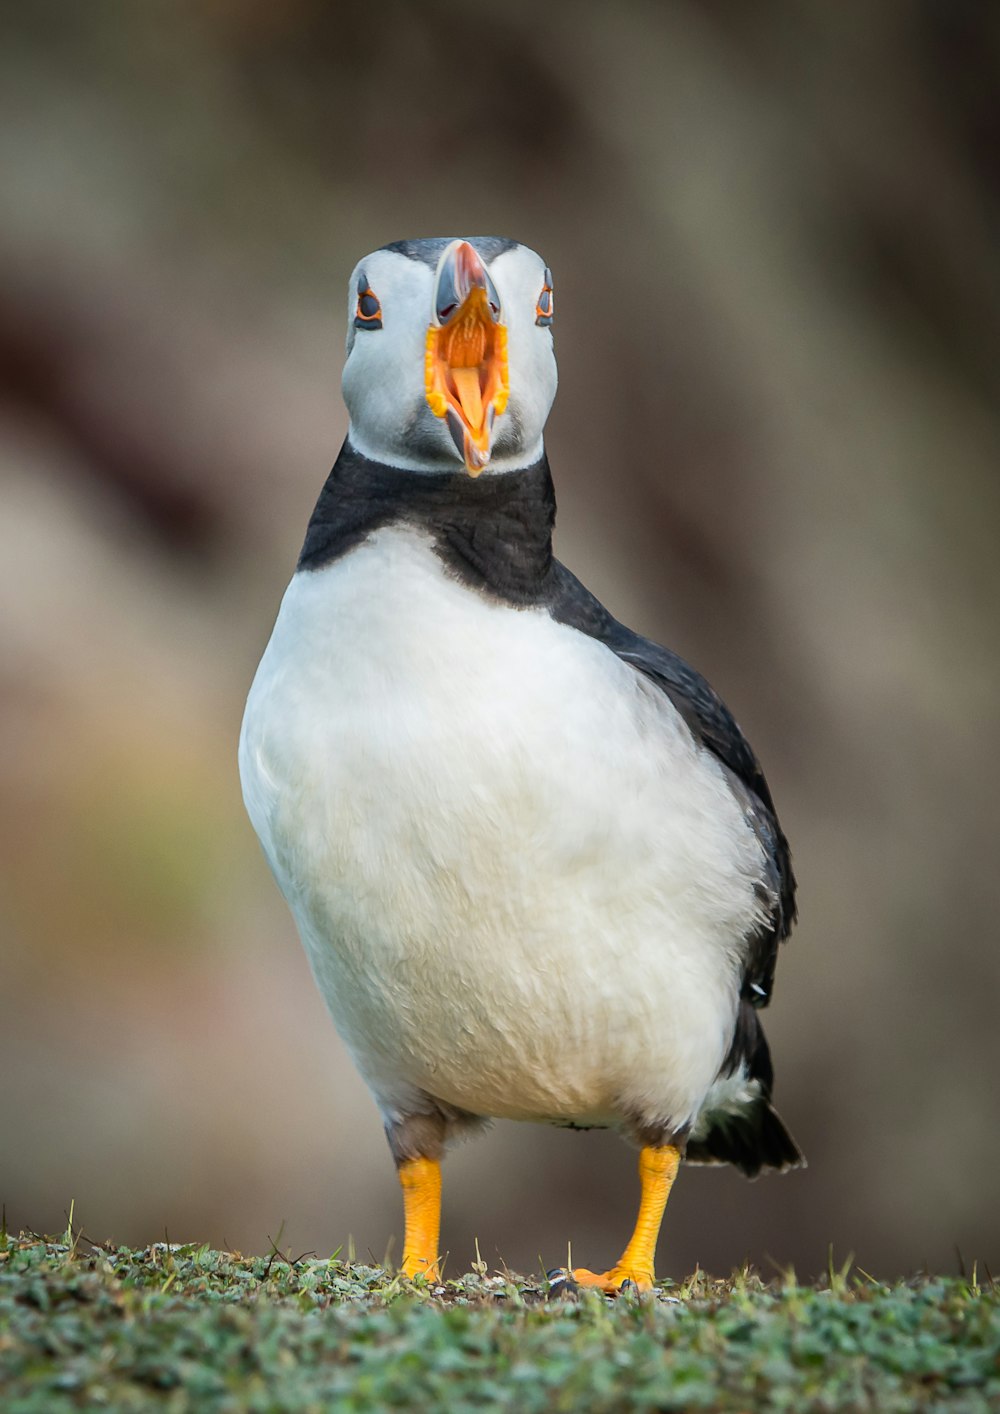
(773, 230)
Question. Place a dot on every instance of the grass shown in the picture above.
(176, 1328)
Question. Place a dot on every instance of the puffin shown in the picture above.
(534, 862)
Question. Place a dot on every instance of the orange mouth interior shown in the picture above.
(466, 374)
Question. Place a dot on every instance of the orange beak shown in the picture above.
(465, 364)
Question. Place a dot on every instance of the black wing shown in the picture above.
(756, 1138)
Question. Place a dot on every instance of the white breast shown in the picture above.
(522, 887)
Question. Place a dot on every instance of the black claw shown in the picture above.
(561, 1283)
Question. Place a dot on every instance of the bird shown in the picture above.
(534, 862)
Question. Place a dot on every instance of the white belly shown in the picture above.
(522, 888)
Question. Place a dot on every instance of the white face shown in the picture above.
(384, 382)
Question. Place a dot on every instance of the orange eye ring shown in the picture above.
(545, 305)
(368, 312)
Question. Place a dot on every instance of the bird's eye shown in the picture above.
(368, 314)
(544, 305)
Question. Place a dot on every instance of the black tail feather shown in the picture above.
(752, 1137)
(752, 1140)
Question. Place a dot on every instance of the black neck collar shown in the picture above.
(493, 532)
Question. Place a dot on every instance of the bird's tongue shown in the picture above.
(470, 395)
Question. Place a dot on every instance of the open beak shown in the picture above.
(465, 365)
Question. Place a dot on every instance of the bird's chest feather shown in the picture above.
(498, 842)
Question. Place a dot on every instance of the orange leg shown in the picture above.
(657, 1171)
(421, 1183)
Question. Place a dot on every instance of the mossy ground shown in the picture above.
(85, 1327)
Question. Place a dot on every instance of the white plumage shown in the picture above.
(522, 887)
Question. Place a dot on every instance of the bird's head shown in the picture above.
(449, 355)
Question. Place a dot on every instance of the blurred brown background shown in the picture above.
(773, 232)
